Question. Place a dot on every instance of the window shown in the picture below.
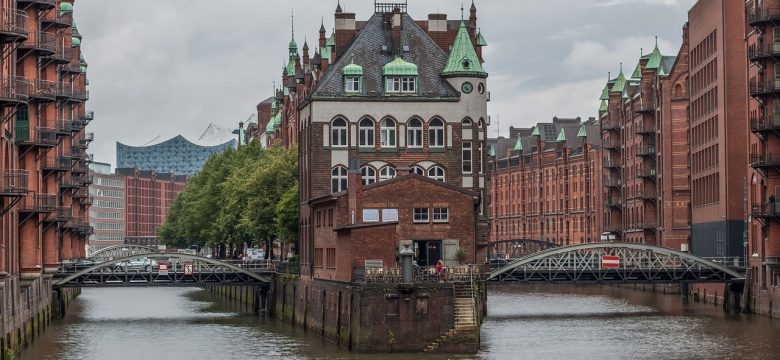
(366, 133)
(397, 84)
(436, 173)
(418, 170)
(415, 137)
(388, 133)
(370, 215)
(467, 123)
(387, 173)
(338, 179)
(339, 133)
(389, 215)
(441, 215)
(466, 157)
(352, 84)
(421, 215)
(436, 133)
(368, 175)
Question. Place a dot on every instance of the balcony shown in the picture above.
(647, 195)
(41, 137)
(648, 174)
(648, 150)
(14, 183)
(610, 126)
(612, 183)
(42, 42)
(645, 129)
(766, 124)
(80, 194)
(55, 162)
(79, 169)
(57, 19)
(765, 161)
(613, 201)
(13, 25)
(765, 211)
(72, 182)
(61, 55)
(14, 90)
(38, 203)
(78, 153)
(611, 145)
(764, 88)
(63, 127)
(79, 95)
(44, 90)
(40, 4)
(71, 68)
(763, 16)
(76, 125)
(647, 107)
(646, 225)
(65, 91)
(63, 214)
(612, 164)
(764, 52)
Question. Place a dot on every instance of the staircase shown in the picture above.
(465, 318)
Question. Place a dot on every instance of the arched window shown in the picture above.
(436, 133)
(388, 134)
(339, 133)
(418, 170)
(338, 179)
(436, 173)
(387, 173)
(467, 122)
(368, 175)
(415, 138)
(366, 133)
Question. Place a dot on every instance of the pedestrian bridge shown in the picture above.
(613, 263)
(166, 269)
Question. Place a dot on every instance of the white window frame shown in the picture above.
(387, 173)
(388, 134)
(339, 179)
(389, 215)
(352, 84)
(420, 217)
(368, 175)
(370, 215)
(367, 133)
(401, 84)
(436, 133)
(418, 170)
(467, 158)
(437, 173)
(415, 133)
(441, 215)
(339, 133)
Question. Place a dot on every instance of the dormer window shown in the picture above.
(352, 84)
(353, 78)
(400, 77)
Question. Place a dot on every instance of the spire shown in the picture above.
(620, 81)
(338, 7)
(322, 26)
(654, 62)
(463, 59)
(305, 44)
(462, 13)
(293, 46)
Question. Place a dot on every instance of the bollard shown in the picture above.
(407, 273)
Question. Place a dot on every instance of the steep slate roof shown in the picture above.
(367, 52)
(667, 62)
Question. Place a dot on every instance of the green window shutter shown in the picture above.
(22, 124)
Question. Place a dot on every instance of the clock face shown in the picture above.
(467, 88)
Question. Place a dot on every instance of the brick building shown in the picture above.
(763, 174)
(43, 172)
(545, 183)
(148, 197)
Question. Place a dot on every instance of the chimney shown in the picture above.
(395, 30)
(437, 30)
(354, 192)
(345, 31)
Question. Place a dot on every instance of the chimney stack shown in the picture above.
(354, 192)
(437, 30)
(345, 31)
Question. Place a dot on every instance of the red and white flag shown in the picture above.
(610, 262)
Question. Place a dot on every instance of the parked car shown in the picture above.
(79, 264)
(142, 264)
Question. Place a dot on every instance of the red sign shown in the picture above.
(162, 268)
(188, 269)
(610, 262)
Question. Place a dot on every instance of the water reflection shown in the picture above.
(577, 323)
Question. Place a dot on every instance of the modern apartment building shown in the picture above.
(108, 215)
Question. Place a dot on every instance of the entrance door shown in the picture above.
(428, 252)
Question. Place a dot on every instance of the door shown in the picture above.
(428, 252)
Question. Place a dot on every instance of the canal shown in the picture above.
(576, 323)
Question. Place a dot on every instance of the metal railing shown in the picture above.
(65, 90)
(645, 129)
(763, 15)
(610, 126)
(648, 150)
(733, 262)
(63, 214)
(14, 22)
(765, 210)
(41, 40)
(765, 123)
(14, 182)
(647, 194)
(755, 51)
(56, 162)
(612, 164)
(647, 173)
(427, 275)
(759, 160)
(39, 203)
(45, 89)
(611, 145)
(610, 182)
(613, 201)
(14, 88)
(763, 87)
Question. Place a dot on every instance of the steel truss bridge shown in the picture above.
(147, 269)
(613, 263)
(119, 251)
(514, 249)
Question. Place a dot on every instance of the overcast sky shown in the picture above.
(168, 67)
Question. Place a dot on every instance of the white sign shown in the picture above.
(188, 269)
(163, 269)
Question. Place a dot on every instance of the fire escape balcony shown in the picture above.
(64, 91)
(645, 129)
(612, 183)
(646, 107)
(765, 161)
(647, 174)
(63, 214)
(14, 90)
(763, 16)
(14, 183)
(56, 163)
(77, 153)
(610, 126)
(57, 19)
(646, 225)
(648, 151)
(40, 4)
(71, 68)
(611, 145)
(42, 42)
(764, 88)
(613, 201)
(79, 169)
(765, 211)
(38, 203)
(44, 90)
(72, 182)
(84, 141)
(768, 51)
(13, 25)
(80, 194)
(612, 164)
(766, 124)
(648, 195)
(41, 137)
(76, 125)
(63, 127)
(60, 55)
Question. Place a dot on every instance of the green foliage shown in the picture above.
(236, 199)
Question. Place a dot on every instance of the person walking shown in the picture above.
(440, 270)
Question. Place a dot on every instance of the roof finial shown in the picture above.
(656, 41)
(461, 12)
(609, 75)
(292, 22)
(621, 67)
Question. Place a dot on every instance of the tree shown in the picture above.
(287, 216)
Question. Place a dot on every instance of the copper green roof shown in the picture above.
(399, 67)
(75, 41)
(274, 106)
(74, 26)
(352, 69)
(583, 132)
(603, 106)
(536, 131)
(274, 123)
(519, 144)
(463, 58)
(654, 61)
(605, 93)
(66, 8)
(83, 69)
(492, 150)
(293, 45)
(637, 72)
(561, 136)
(480, 39)
(331, 40)
(82, 61)
(661, 71)
(326, 53)
(620, 83)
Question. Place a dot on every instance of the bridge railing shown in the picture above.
(426, 275)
